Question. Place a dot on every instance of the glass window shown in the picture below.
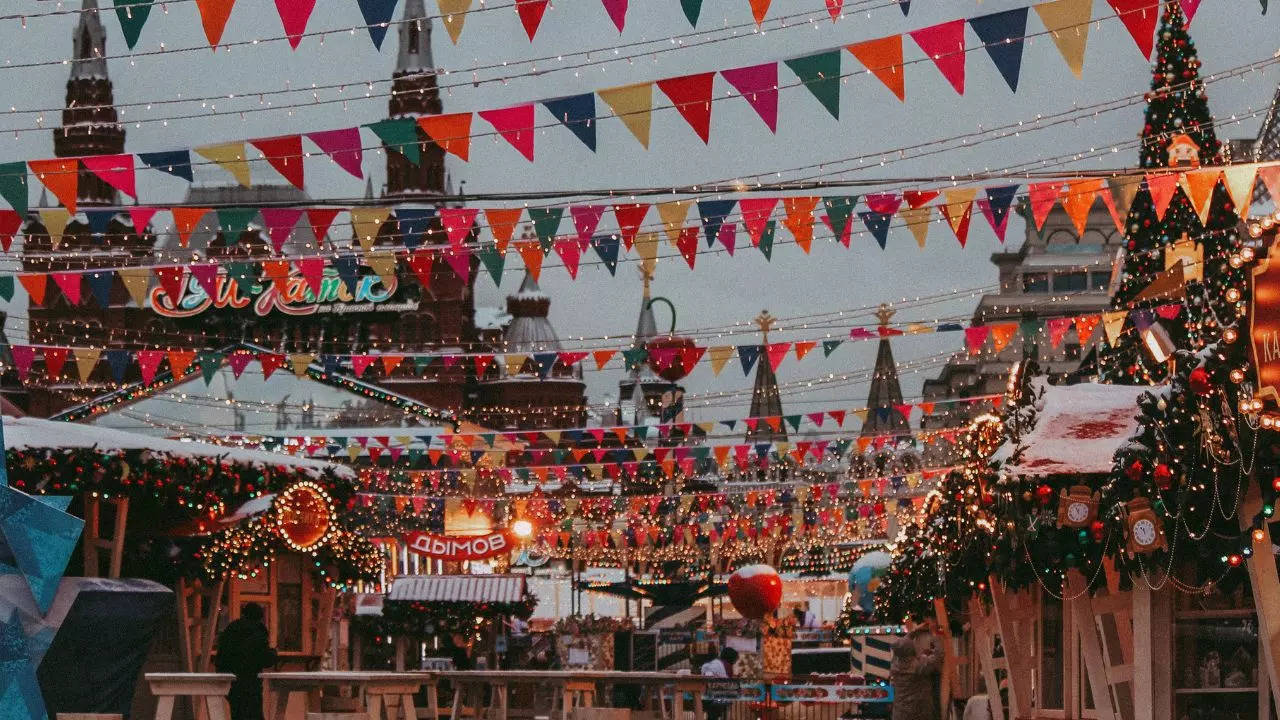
(1100, 279)
(1070, 281)
(1035, 282)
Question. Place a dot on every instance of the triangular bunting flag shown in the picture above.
(820, 73)
(630, 219)
(451, 132)
(285, 155)
(1002, 34)
(578, 113)
(691, 95)
(514, 124)
(453, 14)
(400, 135)
(531, 12)
(958, 209)
(1139, 18)
(944, 43)
(377, 17)
(758, 85)
(213, 16)
(617, 10)
(882, 57)
(114, 170)
(995, 207)
(799, 219)
(293, 16)
(133, 15)
(230, 156)
(1162, 187)
(502, 224)
(61, 176)
(531, 252)
(633, 105)
(342, 146)
(1068, 24)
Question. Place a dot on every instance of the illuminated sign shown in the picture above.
(304, 515)
(1264, 328)
(448, 547)
(293, 297)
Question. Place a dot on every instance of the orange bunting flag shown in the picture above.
(61, 176)
(691, 95)
(1085, 325)
(185, 221)
(760, 8)
(34, 284)
(958, 210)
(451, 132)
(1198, 185)
(531, 252)
(213, 16)
(1043, 196)
(602, 357)
(799, 219)
(1077, 200)
(1162, 188)
(1001, 335)
(883, 58)
(803, 347)
(502, 223)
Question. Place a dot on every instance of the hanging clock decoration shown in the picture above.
(1078, 507)
(1145, 530)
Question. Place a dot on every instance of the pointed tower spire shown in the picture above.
(1267, 148)
(90, 125)
(883, 416)
(640, 384)
(765, 399)
(414, 93)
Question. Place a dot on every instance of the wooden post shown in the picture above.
(1152, 649)
(1085, 628)
(1014, 618)
(984, 641)
(948, 686)
(93, 542)
(1266, 588)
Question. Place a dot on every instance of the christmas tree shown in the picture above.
(1182, 250)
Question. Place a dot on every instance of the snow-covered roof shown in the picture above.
(34, 433)
(1078, 429)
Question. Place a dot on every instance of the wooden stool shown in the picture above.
(577, 694)
(212, 687)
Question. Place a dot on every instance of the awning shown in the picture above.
(1079, 429)
(458, 588)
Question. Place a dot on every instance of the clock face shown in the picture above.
(1144, 532)
(1077, 512)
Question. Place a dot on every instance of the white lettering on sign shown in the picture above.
(446, 547)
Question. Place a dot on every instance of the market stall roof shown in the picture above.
(458, 588)
(22, 433)
(667, 593)
(1078, 429)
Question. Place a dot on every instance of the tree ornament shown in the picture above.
(755, 591)
(1145, 530)
(1134, 471)
(1044, 494)
(1199, 381)
(1163, 476)
(1077, 508)
(1096, 528)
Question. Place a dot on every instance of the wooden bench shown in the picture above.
(211, 687)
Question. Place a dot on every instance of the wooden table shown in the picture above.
(380, 689)
(574, 683)
(211, 687)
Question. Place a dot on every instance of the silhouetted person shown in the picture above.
(244, 650)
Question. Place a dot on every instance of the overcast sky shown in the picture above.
(722, 290)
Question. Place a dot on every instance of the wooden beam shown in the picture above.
(1265, 582)
(1086, 629)
(984, 646)
(1012, 613)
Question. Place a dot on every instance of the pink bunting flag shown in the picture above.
(755, 215)
(457, 223)
(571, 253)
(758, 85)
(69, 284)
(586, 218)
(944, 43)
(280, 223)
(312, 270)
(238, 361)
(1057, 328)
(728, 236)
(974, 337)
(342, 146)
(114, 170)
(460, 260)
(23, 355)
(207, 275)
(883, 203)
(141, 216)
(149, 362)
(515, 125)
(294, 15)
(617, 10)
(1189, 8)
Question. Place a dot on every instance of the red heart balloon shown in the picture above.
(755, 591)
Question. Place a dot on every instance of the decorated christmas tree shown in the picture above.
(1180, 229)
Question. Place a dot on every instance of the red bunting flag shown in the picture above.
(294, 15)
(1162, 187)
(54, 360)
(687, 244)
(238, 361)
(320, 220)
(944, 43)
(1139, 18)
(755, 215)
(270, 363)
(460, 260)
(776, 352)
(420, 262)
(1043, 196)
(451, 132)
(206, 274)
(141, 216)
(171, 279)
(617, 10)
(918, 198)
(531, 12)
(61, 176)
(586, 218)
(69, 283)
(482, 364)
(283, 153)
(312, 271)
(360, 363)
(457, 223)
(691, 95)
(975, 336)
(10, 222)
(1057, 328)
(630, 218)
(515, 125)
(114, 170)
(148, 363)
(835, 8)
(571, 253)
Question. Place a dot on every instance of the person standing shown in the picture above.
(719, 667)
(916, 674)
(244, 650)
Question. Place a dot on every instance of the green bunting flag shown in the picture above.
(244, 275)
(839, 210)
(209, 364)
(399, 135)
(829, 346)
(766, 239)
(234, 220)
(546, 223)
(133, 15)
(494, 262)
(634, 357)
(6, 287)
(13, 185)
(821, 74)
(692, 9)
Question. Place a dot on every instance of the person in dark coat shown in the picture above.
(244, 650)
(915, 673)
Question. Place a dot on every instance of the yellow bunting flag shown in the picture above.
(633, 104)
(1198, 185)
(1239, 180)
(366, 222)
(514, 362)
(135, 281)
(1112, 324)
(719, 355)
(55, 224)
(383, 265)
(1068, 24)
(300, 362)
(958, 209)
(917, 221)
(673, 215)
(454, 15)
(86, 359)
(1123, 190)
(647, 247)
(231, 157)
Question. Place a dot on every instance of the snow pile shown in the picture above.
(1079, 429)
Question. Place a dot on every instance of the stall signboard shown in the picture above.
(304, 515)
(1264, 328)
(459, 549)
(290, 295)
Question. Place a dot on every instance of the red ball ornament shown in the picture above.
(1096, 529)
(1163, 476)
(1044, 494)
(1134, 471)
(1199, 381)
(755, 591)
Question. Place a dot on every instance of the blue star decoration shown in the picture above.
(37, 537)
(20, 697)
